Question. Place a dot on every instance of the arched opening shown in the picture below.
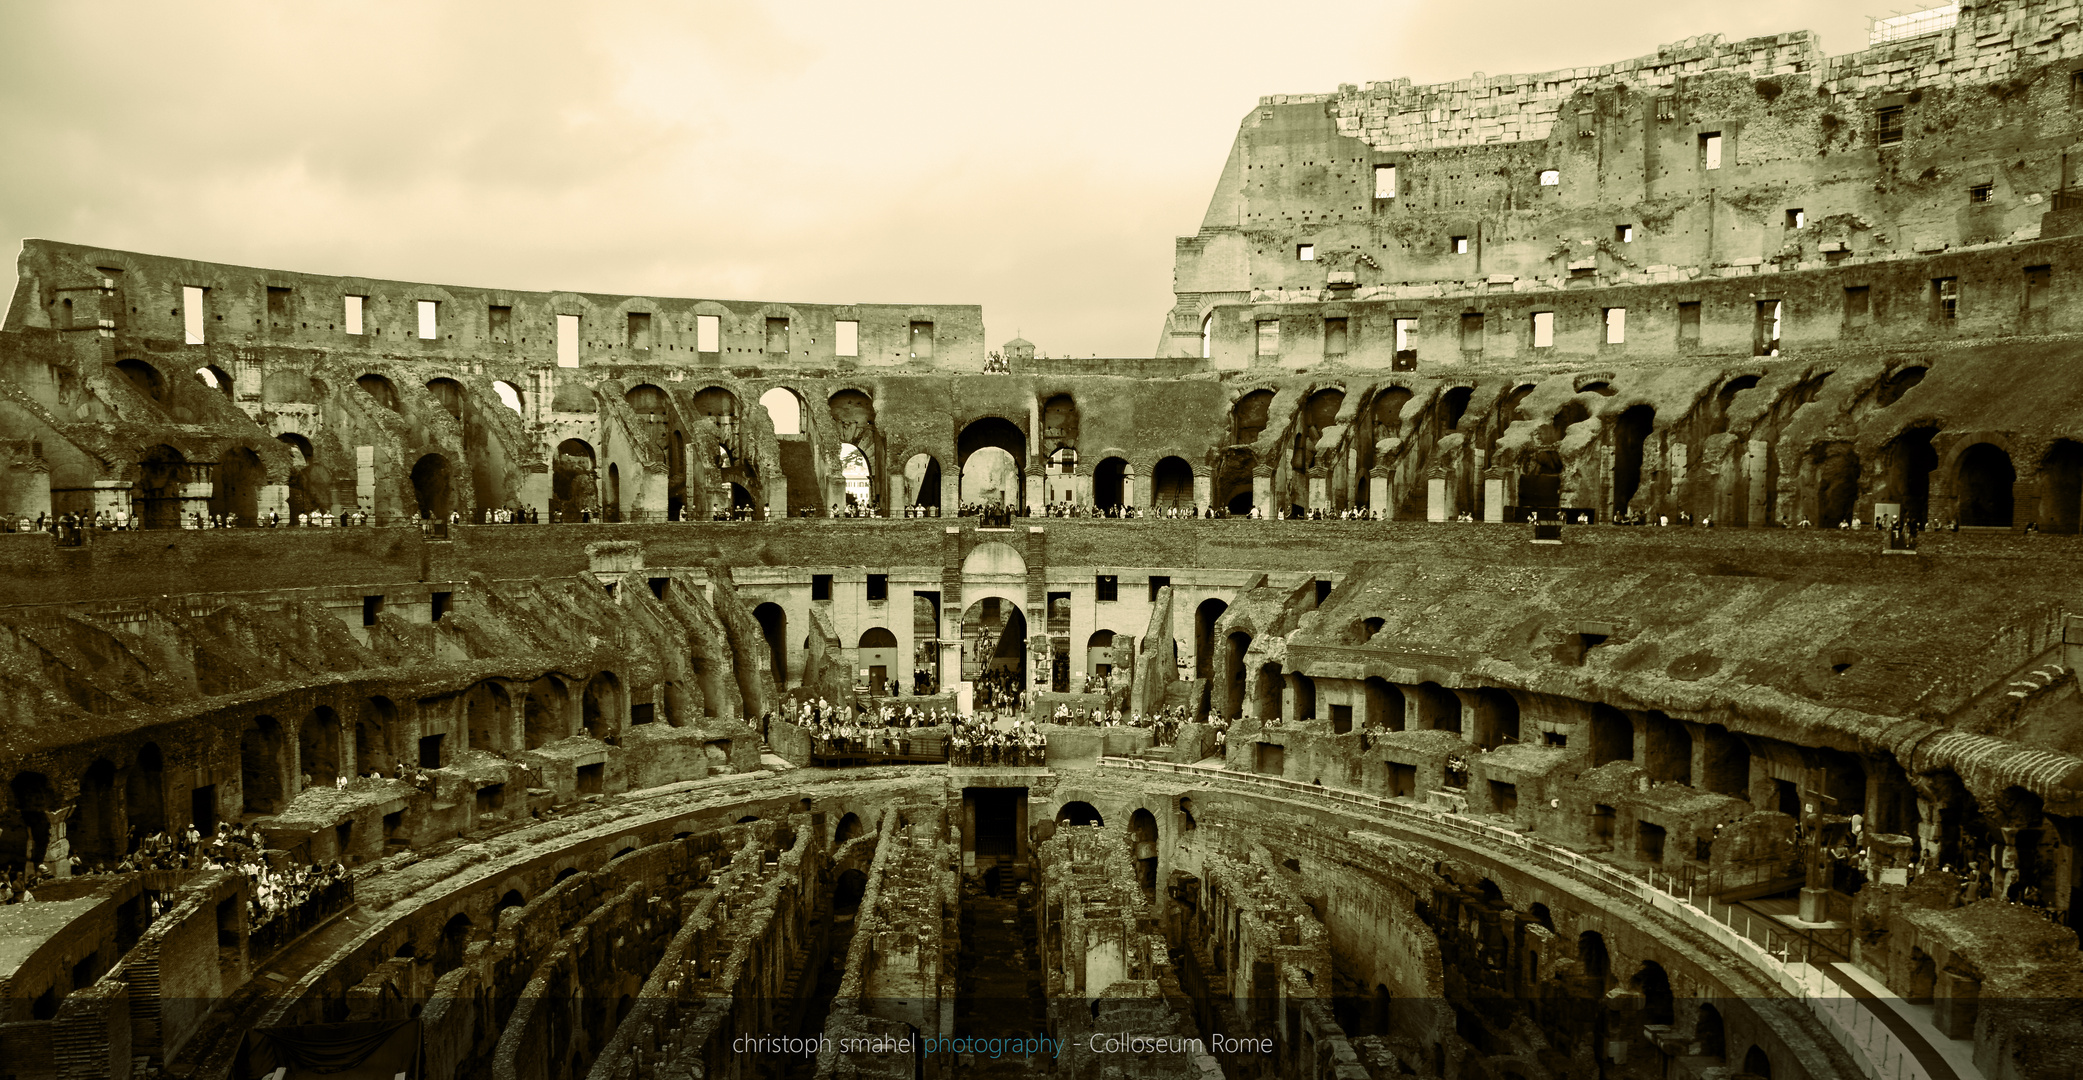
(1758, 1063)
(1836, 482)
(2061, 487)
(544, 713)
(372, 736)
(1110, 480)
(773, 626)
(29, 831)
(1265, 699)
(159, 487)
(856, 476)
(1142, 832)
(144, 795)
(510, 396)
(991, 476)
(1612, 736)
(611, 499)
(574, 487)
(1001, 479)
(1573, 412)
(487, 710)
(1453, 405)
(1709, 1040)
(1248, 417)
(601, 708)
(307, 487)
(1591, 954)
(1540, 914)
(785, 409)
(455, 938)
(260, 765)
(1205, 617)
(212, 376)
(1233, 671)
(1171, 484)
(1078, 813)
(1726, 397)
(1384, 703)
(1984, 486)
(1910, 460)
(1540, 480)
(96, 829)
(1725, 763)
(849, 827)
(430, 487)
(449, 394)
(1654, 984)
(318, 747)
(1437, 708)
(1304, 690)
(512, 899)
(878, 657)
(1497, 717)
(1630, 434)
(847, 892)
(994, 634)
(240, 476)
(1897, 384)
(381, 389)
(922, 480)
(143, 376)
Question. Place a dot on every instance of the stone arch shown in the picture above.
(1235, 647)
(1266, 695)
(1453, 405)
(994, 558)
(574, 485)
(144, 377)
(1907, 462)
(160, 483)
(784, 408)
(1437, 708)
(601, 708)
(1142, 832)
(1171, 484)
(430, 487)
(1630, 436)
(212, 376)
(1384, 702)
(240, 476)
(261, 766)
(1111, 480)
(1836, 482)
(144, 794)
(1079, 812)
(306, 479)
(773, 626)
(511, 396)
(1612, 735)
(2061, 487)
(545, 713)
(96, 827)
(382, 389)
(373, 752)
(1983, 475)
(1758, 1063)
(1596, 962)
(1205, 615)
(922, 480)
(1659, 1006)
(488, 714)
(28, 828)
(448, 393)
(1249, 416)
(1007, 648)
(1496, 717)
(318, 747)
(1708, 1034)
(849, 827)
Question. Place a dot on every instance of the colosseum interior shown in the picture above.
(1594, 542)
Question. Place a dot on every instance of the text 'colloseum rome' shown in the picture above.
(1586, 587)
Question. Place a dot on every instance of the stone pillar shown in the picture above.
(1378, 493)
(1493, 496)
(364, 478)
(2025, 505)
(1319, 490)
(274, 498)
(1037, 486)
(777, 497)
(1439, 498)
(1083, 480)
(1202, 493)
(109, 496)
(1262, 490)
(950, 492)
(197, 486)
(1757, 469)
(1290, 696)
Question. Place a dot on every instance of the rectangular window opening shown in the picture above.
(639, 336)
(1649, 841)
(1158, 581)
(1269, 337)
(1335, 337)
(1888, 125)
(1472, 331)
(499, 319)
(567, 341)
(708, 333)
(1305, 252)
(642, 713)
(1458, 245)
(1945, 298)
(1796, 219)
(441, 601)
(846, 338)
(1616, 326)
(658, 587)
(1107, 588)
(2076, 89)
(878, 588)
(1981, 193)
(922, 341)
(1543, 329)
(278, 306)
(2039, 282)
(1551, 177)
(192, 313)
(429, 320)
(1710, 150)
(777, 336)
(1624, 234)
(820, 586)
(1689, 322)
(1858, 307)
(1384, 181)
(592, 778)
(372, 606)
(430, 751)
(1765, 332)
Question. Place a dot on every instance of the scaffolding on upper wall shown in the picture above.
(1903, 25)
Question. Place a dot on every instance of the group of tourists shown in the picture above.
(998, 689)
(1163, 725)
(989, 738)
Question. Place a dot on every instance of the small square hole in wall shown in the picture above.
(641, 713)
(590, 778)
(372, 606)
(429, 320)
(1981, 193)
(658, 586)
(1107, 588)
(1796, 219)
(1457, 245)
(1551, 177)
(708, 333)
(1305, 252)
(1555, 739)
(1543, 329)
(1158, 581)
(820, 586)
(430, 756)
(1624, 234)
(441, 604)
(878, 588)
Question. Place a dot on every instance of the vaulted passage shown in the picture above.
(1984, 486)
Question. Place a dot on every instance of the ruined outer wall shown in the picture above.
(1986, 103)
(306, 311)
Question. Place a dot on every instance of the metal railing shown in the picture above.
(1852, 1022)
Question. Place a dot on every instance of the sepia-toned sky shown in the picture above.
(1035, 158)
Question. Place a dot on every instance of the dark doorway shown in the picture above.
(1985, 480)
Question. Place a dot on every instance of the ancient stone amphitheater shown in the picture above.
(1604, 541)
